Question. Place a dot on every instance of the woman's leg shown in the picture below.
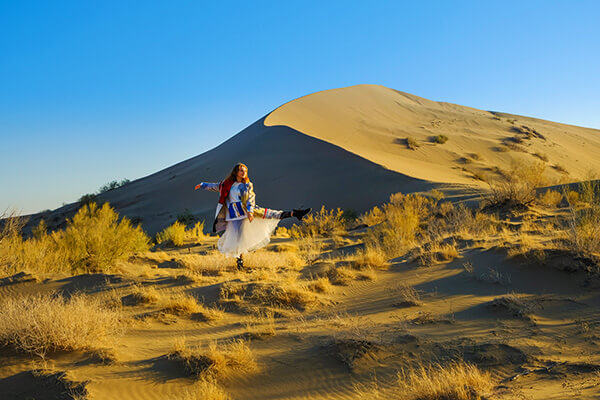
(278, 214)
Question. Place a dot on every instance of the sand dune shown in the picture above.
(312, 150)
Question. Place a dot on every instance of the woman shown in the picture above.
(247, 227)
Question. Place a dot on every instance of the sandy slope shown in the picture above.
(372, 121)
(345, 148)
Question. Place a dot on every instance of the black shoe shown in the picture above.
(301, 213)
(240, 263)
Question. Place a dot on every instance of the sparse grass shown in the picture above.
(455, 381)
(93, 241)
(411, 143)
(212, 264)
(262, 259)
(441, 139)
(261, 325)
(215, 360)
(41, 324)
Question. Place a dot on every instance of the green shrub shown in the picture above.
(112, 185)
(186, 217)
(88, 198)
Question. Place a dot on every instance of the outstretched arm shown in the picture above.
(213, 187)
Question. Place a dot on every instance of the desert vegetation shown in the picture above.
(386, 293)
(93, 241)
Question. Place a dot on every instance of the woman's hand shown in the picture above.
(250, 217)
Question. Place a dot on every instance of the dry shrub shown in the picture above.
(216, 360)
(407, 296)
(372, 217)
(514, 304)
(177, 234)
(322, 223)
(93, 241)
(284, 294)
(206, 388)
(341, 276)
(550, 198)
(282, 232)
(173, 234)
(572, 197)
(372, 256)
(411, 143)
(584, 230)
(310, 248)
(43, 323)
(441, 139)
(518, 187)
(403, 216)
(455, 381)
(320, 285)
(196, 233)
(145, 294)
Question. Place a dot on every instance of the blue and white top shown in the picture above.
(239, 203)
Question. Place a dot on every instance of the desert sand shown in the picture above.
(503, 289)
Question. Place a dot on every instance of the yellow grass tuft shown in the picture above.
(216, 360)
(43, 323)
(550, 198)
(372, 256)
(207, 388)
(456, 381)
(180, 303)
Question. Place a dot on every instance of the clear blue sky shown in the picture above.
(93, 91)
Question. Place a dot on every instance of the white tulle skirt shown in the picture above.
(242, 236)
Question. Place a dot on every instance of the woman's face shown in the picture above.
(242, 173)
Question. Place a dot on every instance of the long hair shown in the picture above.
(233, 175)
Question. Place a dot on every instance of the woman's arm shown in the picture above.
(213, 187)
(250, 201)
